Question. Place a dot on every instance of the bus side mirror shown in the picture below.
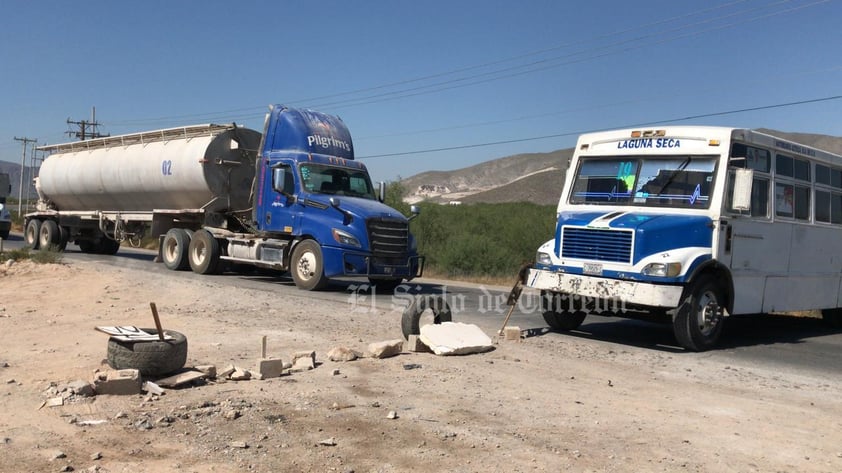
(741, 197)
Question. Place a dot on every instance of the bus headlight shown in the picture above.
(543, 258)
(345, 238)
(667, 270)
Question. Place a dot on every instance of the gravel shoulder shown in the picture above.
(546, 403)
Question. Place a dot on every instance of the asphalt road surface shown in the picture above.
(787, 343)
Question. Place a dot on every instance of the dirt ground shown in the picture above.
(547, 403)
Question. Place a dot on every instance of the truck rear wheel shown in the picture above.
(698, 320)
(175, 249)
(307, 267)
(48, 235)
(107, 246)
(559, 313)
(203, 253)
(32, 234)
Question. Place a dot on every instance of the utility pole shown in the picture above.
(25, 141)
(84, 127)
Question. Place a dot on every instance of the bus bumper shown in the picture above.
(629, 292)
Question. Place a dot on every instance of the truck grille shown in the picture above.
(388, 237)
(597, 244)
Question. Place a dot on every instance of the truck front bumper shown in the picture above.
(341, 262)
(628, 292)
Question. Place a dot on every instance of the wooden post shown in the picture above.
(263, 348)
(157, 321)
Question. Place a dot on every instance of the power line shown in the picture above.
(577, 133)
(24, 141)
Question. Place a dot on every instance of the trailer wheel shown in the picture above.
(175, 249)
(32, 234)
(557, 316)
(107, 246)
(307, 268)
(412, 315)
(63, 237)
(48, 235)
(87, 246)
(697, 322)
(203, 253)
(151, 358)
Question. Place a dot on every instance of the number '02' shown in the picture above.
(166, 167)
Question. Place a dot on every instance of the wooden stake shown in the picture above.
(263, 348)
(157, 321)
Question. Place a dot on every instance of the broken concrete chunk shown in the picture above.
(385, 349)
(455, 338)
(181, 378)
(304, 354)
(81, 388)
(270, 367)
(240, 375)
(342, 354)
(152, 388)
(209, 370)
(227, 371)
(120, 382)
(511, 333)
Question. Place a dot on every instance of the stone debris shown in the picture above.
(182, 378)
(331, 442)
(96, 456)
(385, 349)
(392, 415)
(209, 370)
(81, 388)
(54, 402)
(270, 367)
(227, 371)
(240, 374)
(152, 388)
(119, 382)
(342, 354)
(303, 361)
(455, 338)
(238, 444)
(512, 333)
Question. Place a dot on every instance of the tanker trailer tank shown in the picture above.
(110, 188)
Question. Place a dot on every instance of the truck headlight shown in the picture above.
(666, 270)
(345, 238)
(543, 258)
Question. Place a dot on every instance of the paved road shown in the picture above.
(793, 344)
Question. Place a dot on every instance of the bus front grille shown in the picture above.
(597, 244)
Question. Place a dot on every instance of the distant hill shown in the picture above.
(535, 177)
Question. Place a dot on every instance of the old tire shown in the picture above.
(559, 313)
(697, 322)
(175, 249)
(203, 253)
(411, 318)
(151, 358)
(386, 286)
(307, 268)
(32, 234)
(48, 235)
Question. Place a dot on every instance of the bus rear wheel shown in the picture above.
(832, 317)
(698, 321)
(558, 317)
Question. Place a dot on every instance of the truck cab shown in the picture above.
(5, 215)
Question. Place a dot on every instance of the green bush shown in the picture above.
(478, 240)
(49, 255)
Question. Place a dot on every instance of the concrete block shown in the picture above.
(182, 378)
(209, 370)
(304, 363)
(120, 382)
(415, 345)
(227, 371)
(455, 338)
(511, 333)
(385, 349)
(270, 367)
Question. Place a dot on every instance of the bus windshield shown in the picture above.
(335, 180)
(650, 181)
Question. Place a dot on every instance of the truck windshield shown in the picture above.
(650, 181)
(335, 180)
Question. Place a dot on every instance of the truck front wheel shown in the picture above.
(560, 312)
(698, 320)
(32, 234)
(307, 267)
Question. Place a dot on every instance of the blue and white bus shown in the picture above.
(690, 225)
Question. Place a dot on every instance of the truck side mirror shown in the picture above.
(741, 193)
(381, 196)
(415, 211)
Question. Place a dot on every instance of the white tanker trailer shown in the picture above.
(216, 193)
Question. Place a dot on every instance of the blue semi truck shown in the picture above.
(292, 199)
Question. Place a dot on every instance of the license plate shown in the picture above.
(592, 268)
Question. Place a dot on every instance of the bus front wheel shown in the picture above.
(697, 322)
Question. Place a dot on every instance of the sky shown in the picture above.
(432, 85)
